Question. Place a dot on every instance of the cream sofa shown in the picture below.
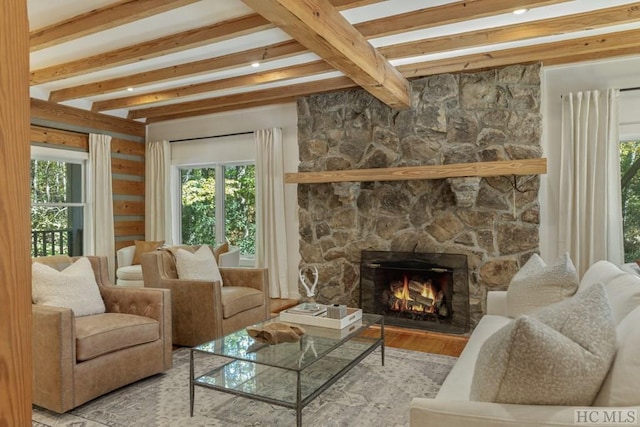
(453, 407)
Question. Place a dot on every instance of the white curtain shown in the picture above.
(590, 212)
(271, 241)
(101, 232)
(158, 192)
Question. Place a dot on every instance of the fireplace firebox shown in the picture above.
(417, 290)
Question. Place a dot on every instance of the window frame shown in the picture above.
(220, 208)
(75, 157)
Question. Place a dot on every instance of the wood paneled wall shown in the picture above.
(127, 161)
(15, 263)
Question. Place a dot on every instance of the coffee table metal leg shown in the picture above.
(191, 386)
(299, 401)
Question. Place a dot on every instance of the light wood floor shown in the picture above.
(408, 339)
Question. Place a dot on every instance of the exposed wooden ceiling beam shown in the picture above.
(214, 110)
(445, 14)
(587, 47)
(231, 28)
(582, 49)
(165, 45)
(516, 32)
(242, 98)
(600, 18)
(287, 73)
(50, 111)
(101, 19)
(279, 51)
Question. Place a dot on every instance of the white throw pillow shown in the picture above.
(560, 356)
(200, 265)
(74, 287)
(538, 285)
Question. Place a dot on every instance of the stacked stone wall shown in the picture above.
(455, 118)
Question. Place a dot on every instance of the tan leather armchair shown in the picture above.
(76, 359)
(203, 310)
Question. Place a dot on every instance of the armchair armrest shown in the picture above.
(256, 278)
(53, 341)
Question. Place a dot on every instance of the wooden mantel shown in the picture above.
(481, 169)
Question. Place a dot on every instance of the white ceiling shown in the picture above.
(206, 12)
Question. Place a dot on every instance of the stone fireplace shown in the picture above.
(455, 118)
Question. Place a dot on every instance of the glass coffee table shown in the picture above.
(287, 374)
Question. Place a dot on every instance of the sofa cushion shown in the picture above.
(108, 332)
(74, 287)
(130, 272)
(559, 357)
(144, 246)
(620, 388)
(622, 288)
(199, 265)
(600, 272)
(236, 299)
(537, 285)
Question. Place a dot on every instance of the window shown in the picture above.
(630, 186)
(57, 202)
(208, 218)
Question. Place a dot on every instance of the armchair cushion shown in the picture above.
(108, 332)
(74, 287)
(130, 272)
(199, 265)
(236, 299)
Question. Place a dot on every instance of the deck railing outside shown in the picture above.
(51, 242)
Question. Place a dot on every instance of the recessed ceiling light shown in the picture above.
(255, 64)
(520, 11)
(130, 89)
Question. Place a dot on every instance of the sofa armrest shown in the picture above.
(53, 341)
(451, 413)
(497, 303)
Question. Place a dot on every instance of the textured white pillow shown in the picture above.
(559, 357)
(74, 287)
(200, 265)
(538, 285)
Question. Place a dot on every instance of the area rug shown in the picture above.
(368, 395)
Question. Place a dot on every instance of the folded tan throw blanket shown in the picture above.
(275, 333)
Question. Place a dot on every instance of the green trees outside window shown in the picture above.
(57, 207)
(630, 185)
(206, 218)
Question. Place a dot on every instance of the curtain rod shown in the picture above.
(207, 137)
(627, 89)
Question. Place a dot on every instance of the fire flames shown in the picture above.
(413, 296)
